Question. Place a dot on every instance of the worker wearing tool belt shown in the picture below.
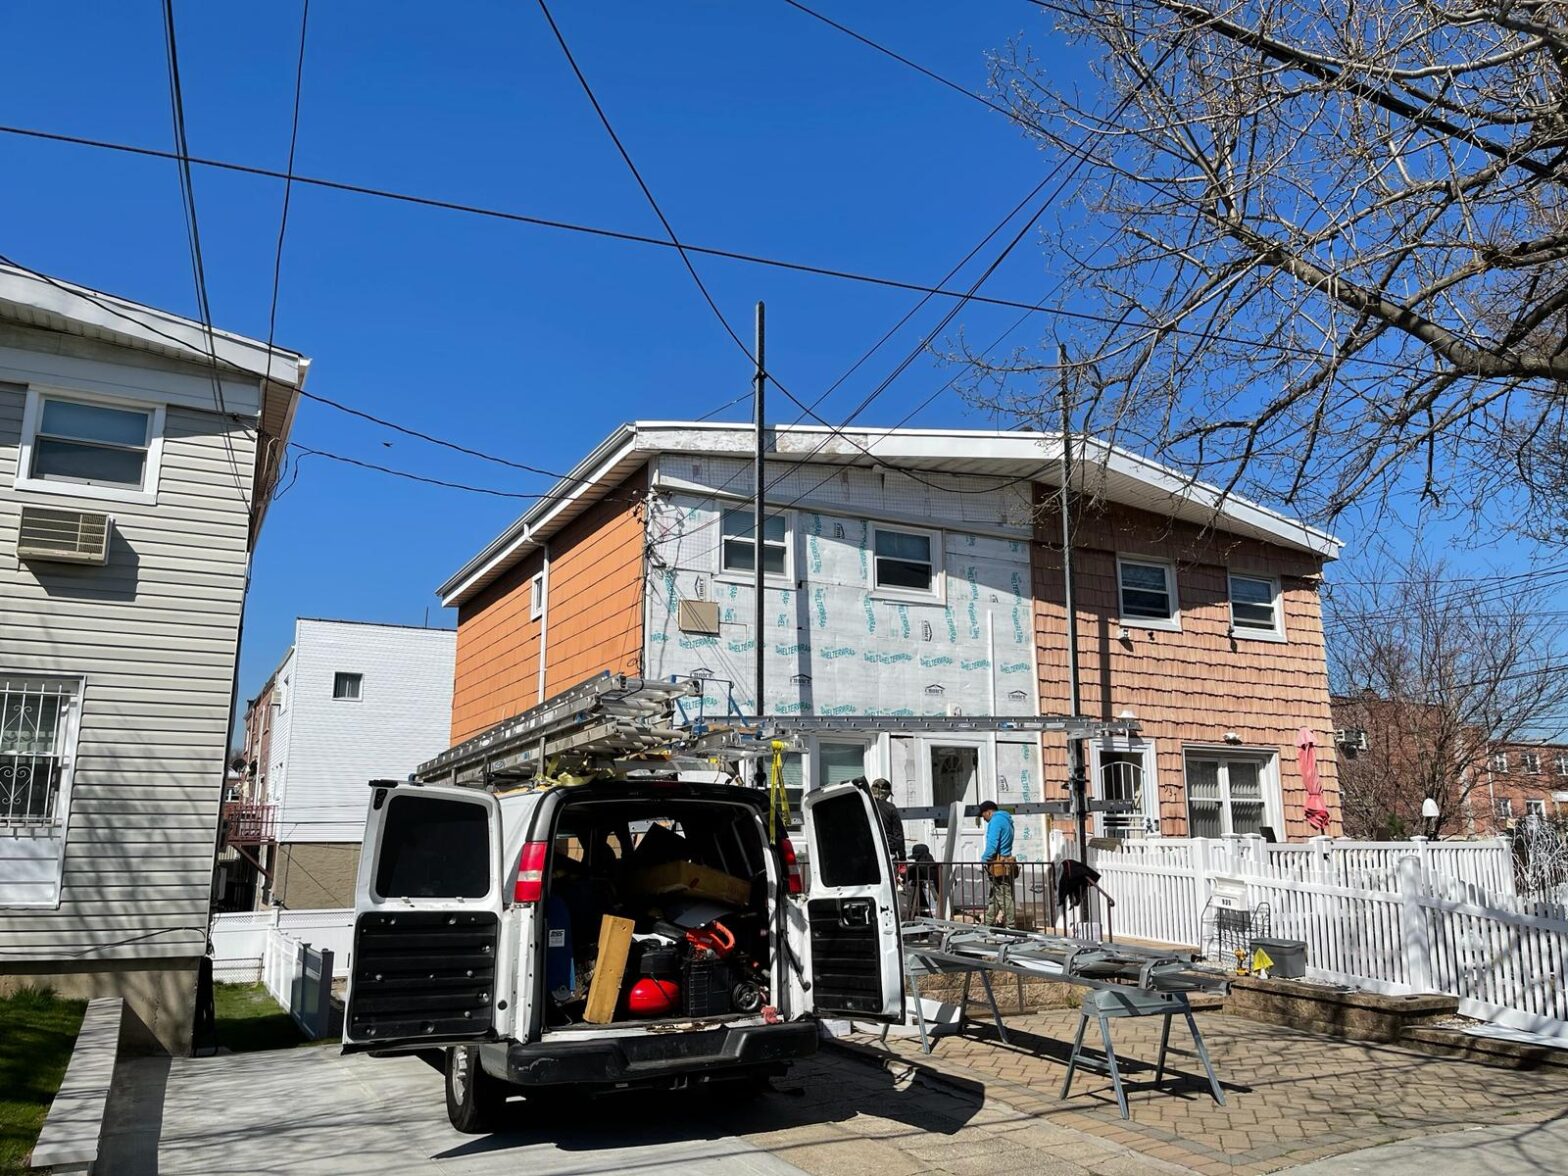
(1001, 866)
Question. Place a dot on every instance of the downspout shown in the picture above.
(544, 616)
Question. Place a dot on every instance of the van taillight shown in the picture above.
(791, 867)
(530, 872)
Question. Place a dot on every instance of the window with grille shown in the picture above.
(1122, 780)
(35, 727)
(1503, 807)
(1225, 794)
(1499, 761)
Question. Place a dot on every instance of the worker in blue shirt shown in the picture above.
(1000, 865)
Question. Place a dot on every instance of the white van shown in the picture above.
(474, 913)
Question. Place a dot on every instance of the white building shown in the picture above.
(351, 702)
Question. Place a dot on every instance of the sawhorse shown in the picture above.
(1107, 1003)
(917, 966)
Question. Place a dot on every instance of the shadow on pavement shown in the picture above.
(813, 1093)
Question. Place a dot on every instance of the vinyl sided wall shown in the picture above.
(1194, 686)
(594, 609)
(152, 634)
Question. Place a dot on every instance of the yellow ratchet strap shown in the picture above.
(779, 799)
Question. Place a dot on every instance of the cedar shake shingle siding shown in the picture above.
(594, 609)
(1194, 686)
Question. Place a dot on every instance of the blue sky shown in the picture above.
(758, 128)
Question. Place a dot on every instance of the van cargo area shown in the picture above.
(656, 911)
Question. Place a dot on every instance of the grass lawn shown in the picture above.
(249, 1019)
(37, 1030)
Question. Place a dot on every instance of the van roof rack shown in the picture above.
(618, 721)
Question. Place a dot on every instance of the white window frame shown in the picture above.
(745, 576)
(1503, 808)
(359, 677)
(1121, 745)
(56, 830)
(32, 417)
(1268, 781)
(1277, 633)
(1172, 624)
(867, 748)
(536, 596)
(1562, 763)
(1536, 808)
(1498, 762)
(1530, 761)
(937, 593)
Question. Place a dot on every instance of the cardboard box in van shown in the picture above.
(691, 880)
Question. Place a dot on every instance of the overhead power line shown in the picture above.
(658, 242)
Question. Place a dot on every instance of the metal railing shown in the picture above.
(966, 886)
(248, 824)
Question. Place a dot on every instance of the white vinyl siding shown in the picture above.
(152, 636)
(324, 752)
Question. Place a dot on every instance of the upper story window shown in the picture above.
(536, 597)
(1255, 607)
(908, 563)
(90, 448)
(347, 687)
(1562, 763)
(738, 549)
(1530, 761)
(1148, 593)
(1499, 761)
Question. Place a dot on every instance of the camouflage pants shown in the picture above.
(999, 909)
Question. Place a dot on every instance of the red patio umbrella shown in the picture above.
(1307, 758)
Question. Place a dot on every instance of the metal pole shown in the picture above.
(1077, 769)
(760, 382)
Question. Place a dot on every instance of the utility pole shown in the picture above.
(1077, 769)
(760, 382)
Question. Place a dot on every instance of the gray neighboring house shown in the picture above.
(134, 474)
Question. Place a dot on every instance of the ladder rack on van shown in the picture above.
(613, 718)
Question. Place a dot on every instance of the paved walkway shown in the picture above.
(311, 1110)
(1292, 1097)
(1529, 1149)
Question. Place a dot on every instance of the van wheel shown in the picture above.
(474, 1100)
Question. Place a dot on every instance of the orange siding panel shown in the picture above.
(594, 614)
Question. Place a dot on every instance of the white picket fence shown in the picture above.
(240, 942)
(1394, 918)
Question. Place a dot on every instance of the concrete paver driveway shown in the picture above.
(312, 1110)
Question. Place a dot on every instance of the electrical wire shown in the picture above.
(689, 247)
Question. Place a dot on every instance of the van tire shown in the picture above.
(475, 1101)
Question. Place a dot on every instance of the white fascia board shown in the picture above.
(585, 479)
(145, 326)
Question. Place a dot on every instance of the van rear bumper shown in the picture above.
(651, 1058)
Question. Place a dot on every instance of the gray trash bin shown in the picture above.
(1289, 956)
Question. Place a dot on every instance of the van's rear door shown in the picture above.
(855, 953)
(427, 919)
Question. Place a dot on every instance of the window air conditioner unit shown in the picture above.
(63, 536)
(1352, 737)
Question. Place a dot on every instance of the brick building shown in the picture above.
(916, 572)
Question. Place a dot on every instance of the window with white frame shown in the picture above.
(1125, 772)
(536, 597)
(1503, 807)
(1535, 810)
(905, 562)
(347, 687)
(1148, 593)
(838, 762)
(1530, 761)
(36, 737)
(89, 447)
(1226, 794)
(1255, 607)
(1562, 763)
(737, 548)
(1499, 761)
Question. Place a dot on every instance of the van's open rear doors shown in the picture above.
(857, 966)
(427, 919)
